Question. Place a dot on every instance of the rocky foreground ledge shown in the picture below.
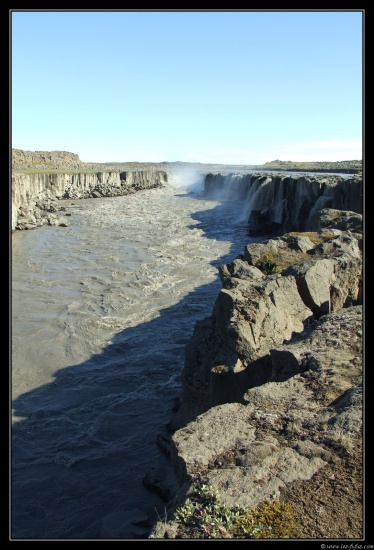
(272, 389)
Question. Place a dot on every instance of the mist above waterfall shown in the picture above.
(186, 177)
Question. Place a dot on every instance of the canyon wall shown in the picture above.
(35, 196)
(279, 203)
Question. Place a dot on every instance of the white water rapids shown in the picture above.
(101, 313)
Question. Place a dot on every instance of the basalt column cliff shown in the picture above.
(40, 179)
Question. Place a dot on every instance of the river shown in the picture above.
(101, 312)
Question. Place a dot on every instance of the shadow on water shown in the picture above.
(230, 224)
(84, 442)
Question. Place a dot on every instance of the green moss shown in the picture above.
(274, 519)
(272, 263)
(269, 263)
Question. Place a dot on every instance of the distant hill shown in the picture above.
(348, 166)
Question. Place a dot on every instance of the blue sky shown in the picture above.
(229, 87)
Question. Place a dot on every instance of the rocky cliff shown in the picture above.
(270, 294)
(35, 196)
(285, 203)
(272, 389)
(41, 178)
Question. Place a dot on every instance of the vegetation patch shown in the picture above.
(316, 238)
(271, 263)
(204, 516)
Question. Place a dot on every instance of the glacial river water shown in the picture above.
(101, 313)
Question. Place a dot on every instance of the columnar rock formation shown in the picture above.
(286, 203)
(41, 178)
(35, 196)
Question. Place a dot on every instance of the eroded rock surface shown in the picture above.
(229, 351)
(305, 418)
(272, 384)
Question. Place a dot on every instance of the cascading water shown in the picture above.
(274, 202)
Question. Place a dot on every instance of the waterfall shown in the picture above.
(273, 203)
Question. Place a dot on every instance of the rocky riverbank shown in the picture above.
(41, 178)
(271, 409)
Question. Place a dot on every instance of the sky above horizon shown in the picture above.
(227, 87)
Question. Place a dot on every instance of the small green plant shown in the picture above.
(204, 513)
(269, 263)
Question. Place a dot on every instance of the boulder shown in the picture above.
(306, 416)
(229, 352)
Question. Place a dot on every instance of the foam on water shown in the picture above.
(101, 313)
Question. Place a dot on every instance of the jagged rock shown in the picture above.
(61, 222)
(343, 243)
(270, 254)
(248, 486)
(330, 218)
(239, 269)
(331, 343)
(245, 323)
(327, 284)
(229, 352)
(301, 243)
(255, 252)
(252, 317)
(287, 429)
(200, 443)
